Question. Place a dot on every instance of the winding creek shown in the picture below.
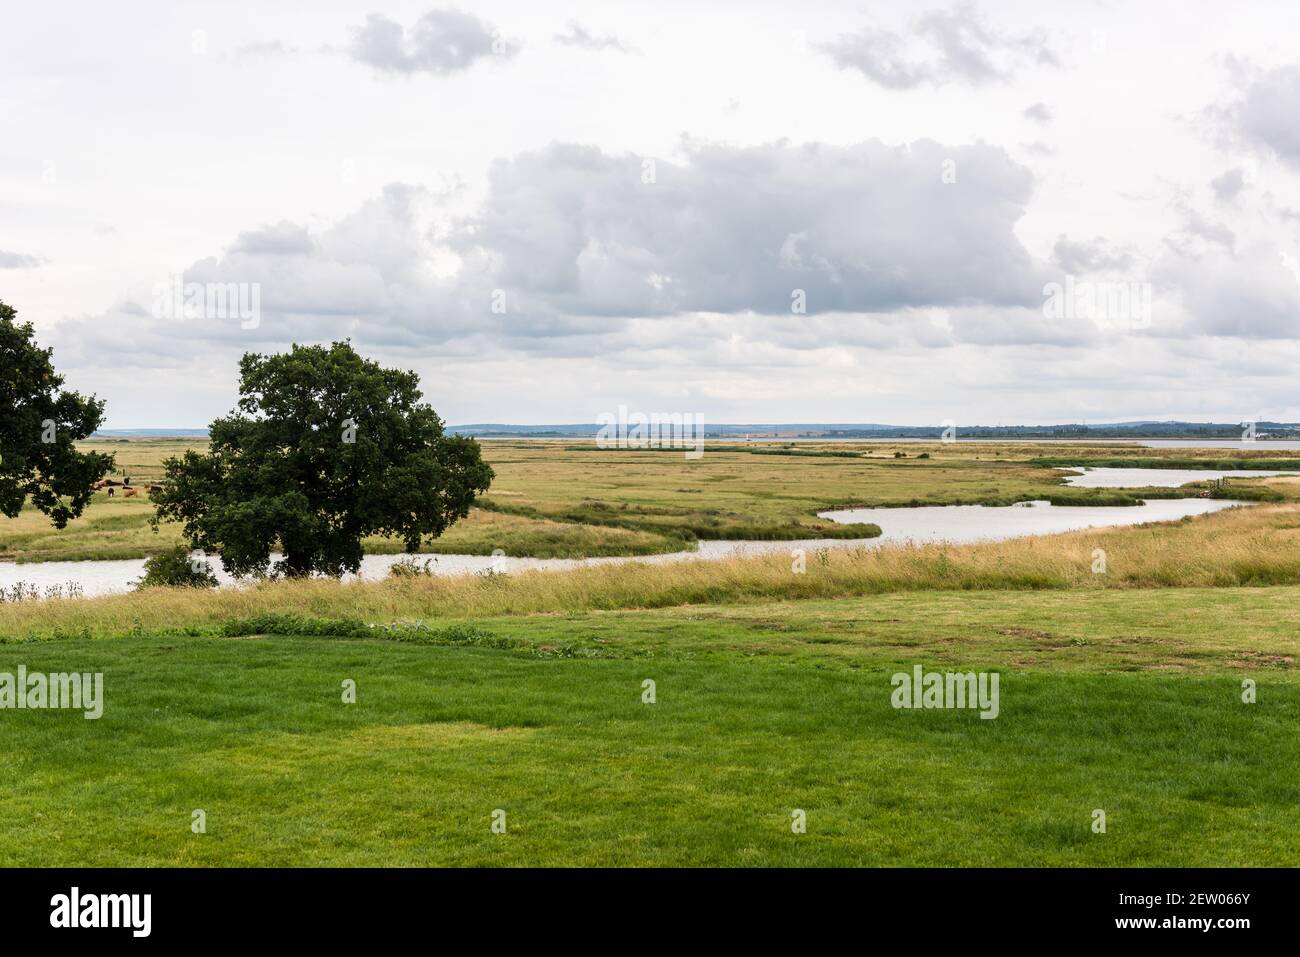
(957, 524)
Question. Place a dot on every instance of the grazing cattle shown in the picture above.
(110, 491)
(130, 492)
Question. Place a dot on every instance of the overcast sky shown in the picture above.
(551, 210)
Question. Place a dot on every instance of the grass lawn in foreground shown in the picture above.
(1127, 701)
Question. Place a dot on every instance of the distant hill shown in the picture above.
(150, 434)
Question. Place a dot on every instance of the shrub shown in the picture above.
(176, 567)
(411, 567)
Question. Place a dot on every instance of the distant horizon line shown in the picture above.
(1127, 424)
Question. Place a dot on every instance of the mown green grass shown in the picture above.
(759, 711)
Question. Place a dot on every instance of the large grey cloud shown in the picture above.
(572, 243)
(860, 228)
(440, 42)
(958, 46)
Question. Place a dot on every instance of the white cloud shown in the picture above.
(1265, 114)
(577, 35)
(1085, 256)
(944, 46)
(10, 260)
(440, 42)
(1038, 112)
(1251, 293)
(1228, 185)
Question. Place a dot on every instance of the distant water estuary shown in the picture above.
(957, 524)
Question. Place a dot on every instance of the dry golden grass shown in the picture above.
(1259, 545)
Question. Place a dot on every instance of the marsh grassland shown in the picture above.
(568, 499)
(1121, 690)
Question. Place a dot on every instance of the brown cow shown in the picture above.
(130, 492)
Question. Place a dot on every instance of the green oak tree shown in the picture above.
(324, 448)
(39, 426)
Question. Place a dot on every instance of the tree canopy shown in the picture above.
(39, 425)
(324, 448)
